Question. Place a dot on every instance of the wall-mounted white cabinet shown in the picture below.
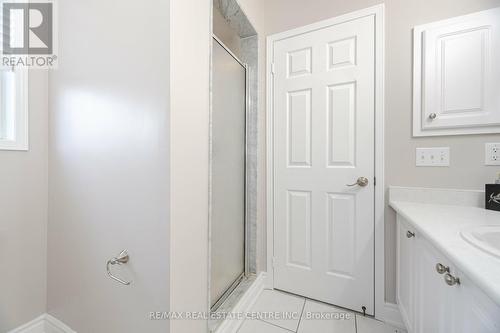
(456, 75)
(427, 301)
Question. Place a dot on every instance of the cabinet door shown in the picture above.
(476, 312)
(435, 300)
(457, 75)
(405, 271)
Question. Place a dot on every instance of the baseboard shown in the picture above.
(43, 324)
(37, 325)
(268, 281)
(244, 305)
(392, 315)
(53, 325)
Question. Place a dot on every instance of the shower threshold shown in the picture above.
(228, 293)
(227, 302)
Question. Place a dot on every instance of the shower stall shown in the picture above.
(228, 173)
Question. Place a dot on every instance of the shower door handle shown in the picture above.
(122, 258)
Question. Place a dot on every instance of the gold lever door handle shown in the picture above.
(362, 181)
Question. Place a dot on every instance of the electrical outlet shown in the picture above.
(492, 153)
(434, 157)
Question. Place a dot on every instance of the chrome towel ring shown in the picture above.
(122, 258)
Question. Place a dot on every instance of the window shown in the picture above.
(13, 110)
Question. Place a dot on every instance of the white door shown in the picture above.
(323, 140)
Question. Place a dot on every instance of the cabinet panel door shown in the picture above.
(457, 75)
(476, 312)
(405, 281)
(460, 80)
(434, 298)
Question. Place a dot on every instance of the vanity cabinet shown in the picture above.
(405, 254)
(434, 296)
(435, 300)
(477, 312)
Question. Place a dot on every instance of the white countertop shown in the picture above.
(441, 225)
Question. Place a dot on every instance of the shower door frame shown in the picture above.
(232, 287)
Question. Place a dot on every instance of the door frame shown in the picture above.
(383, 311)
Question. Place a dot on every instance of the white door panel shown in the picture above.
(324, 139)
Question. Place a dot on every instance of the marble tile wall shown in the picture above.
(249, 56)
(235, 17)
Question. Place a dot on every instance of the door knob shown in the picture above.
(410, 234)
(432, 116)
(362, 181)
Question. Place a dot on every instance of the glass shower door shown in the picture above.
(228, 173)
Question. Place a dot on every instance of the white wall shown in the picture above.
(189, 117)
(467, 168)
(109, 165)
(23, 217)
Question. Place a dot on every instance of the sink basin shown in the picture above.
(485, 237)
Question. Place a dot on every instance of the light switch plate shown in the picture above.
(433, 157)
(492, 153)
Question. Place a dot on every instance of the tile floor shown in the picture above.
(280, 312)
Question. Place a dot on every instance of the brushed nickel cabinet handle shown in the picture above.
(451, 280)
(441, 269)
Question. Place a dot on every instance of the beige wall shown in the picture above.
(467, 168)
(23, 217)
(109, 148)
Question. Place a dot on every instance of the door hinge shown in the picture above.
(272, 68)
(274, 262)
(374, 181)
